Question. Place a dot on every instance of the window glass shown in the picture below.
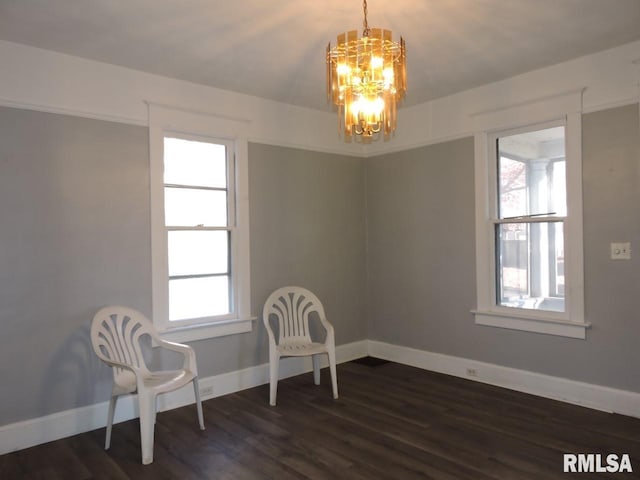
(531, 171)
(198, 297)
(188, 162)
(191, 207)
(530, 266)
(195, 252)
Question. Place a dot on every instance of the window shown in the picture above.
(198, 214)
(199, 228)
(529, 223)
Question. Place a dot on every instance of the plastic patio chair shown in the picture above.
(115, 335)
(292, 307)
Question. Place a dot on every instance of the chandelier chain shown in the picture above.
(365, 31)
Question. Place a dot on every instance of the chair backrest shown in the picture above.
(115, 336)
(292, 307)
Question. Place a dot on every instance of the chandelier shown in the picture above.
(366, 77)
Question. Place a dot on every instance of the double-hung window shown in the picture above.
(199, 217)
(199, 227)
(531, 210)
(529, 222)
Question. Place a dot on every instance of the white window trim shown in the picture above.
(565, 108)
(167, 121)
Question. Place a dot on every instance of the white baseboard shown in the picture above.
(20, 435)
(579, 393)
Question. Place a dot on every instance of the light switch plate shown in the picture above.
(621, 251)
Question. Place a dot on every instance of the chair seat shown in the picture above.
(301, 349)
(167, 379)
(160, 381)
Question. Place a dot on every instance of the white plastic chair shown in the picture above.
(115, 335)
(292, 307)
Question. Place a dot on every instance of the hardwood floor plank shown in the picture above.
(54, 460)
(435, 439)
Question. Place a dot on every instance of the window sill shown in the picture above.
(531, 323)
(209, 330)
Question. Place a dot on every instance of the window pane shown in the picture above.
(531, 170)
(188, 207)
(188, 162)
(198, 252)
(530, 261)
(198, 297)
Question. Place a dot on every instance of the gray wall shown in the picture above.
(75, 236)
(74, 209)
(421, 258)
(422, 251)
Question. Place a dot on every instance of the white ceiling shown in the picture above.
(276, 49)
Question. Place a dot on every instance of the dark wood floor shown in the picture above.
(391, 422)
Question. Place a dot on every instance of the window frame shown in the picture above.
(561, 110)
(176, 123)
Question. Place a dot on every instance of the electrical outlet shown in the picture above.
(472, 372)
(621, 251)
(206, 391)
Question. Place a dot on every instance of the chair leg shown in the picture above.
(316, 369)
(112, 409)
(274, 359)
(147, 403)
(331, 353)
(155, 410)
(196, 390)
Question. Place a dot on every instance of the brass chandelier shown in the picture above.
(366, 78)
